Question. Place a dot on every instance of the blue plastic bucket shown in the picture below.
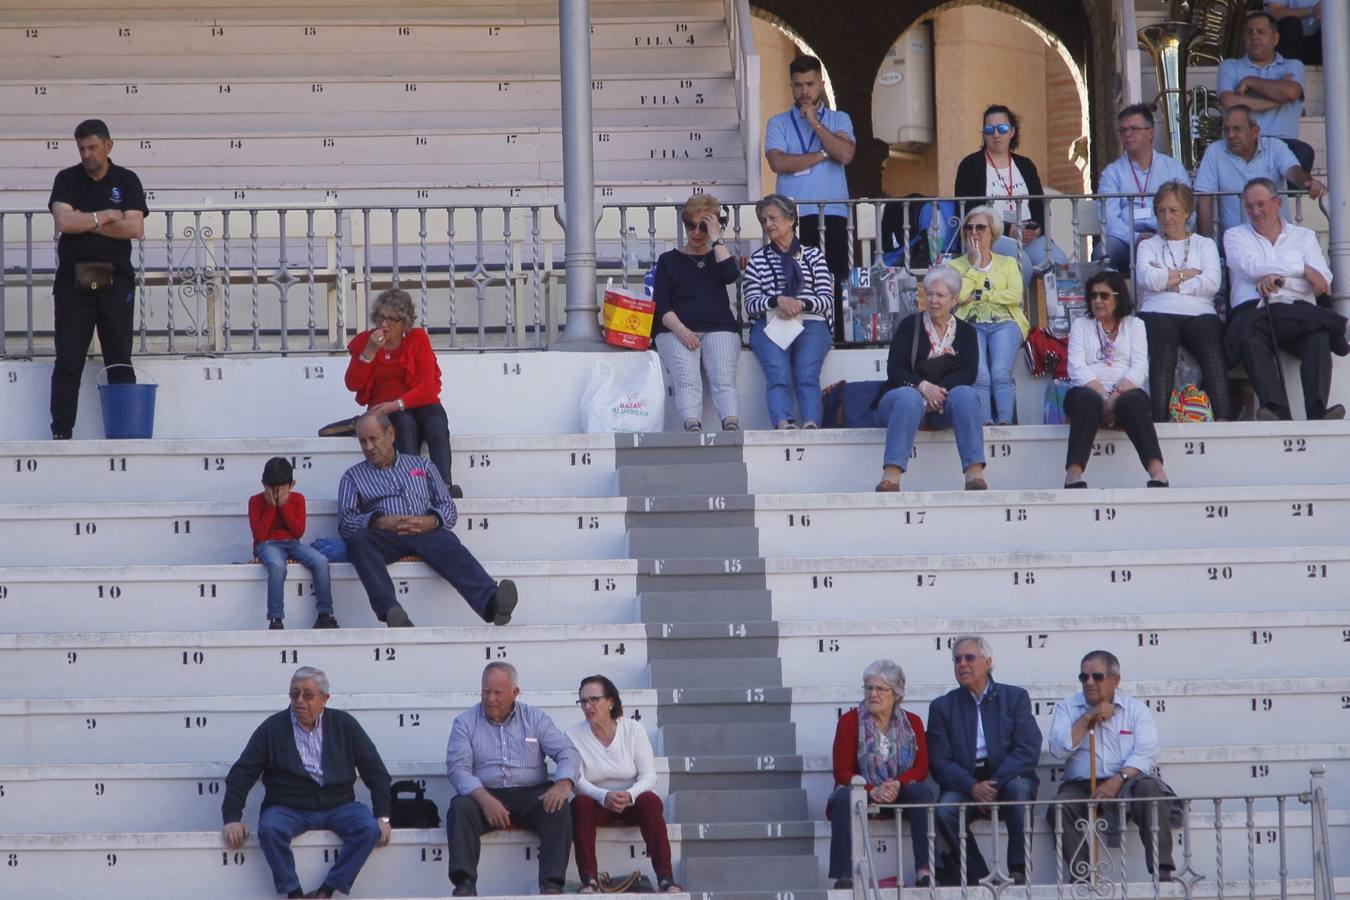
(128, 409)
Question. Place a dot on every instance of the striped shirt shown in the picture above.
(310, 745)
(1128, 738)
(484, 753)
(409, 487)
(763, 282)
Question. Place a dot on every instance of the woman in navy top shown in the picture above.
(693, 320)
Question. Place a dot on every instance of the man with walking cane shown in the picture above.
(1276, 271)
(1109, 744)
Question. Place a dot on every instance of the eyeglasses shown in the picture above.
(1133, 129)
(1101, 295)
(697, 226)
(308, 695)
(977, 227)
(877, 689)
(589, 701)
(1098, 677)
(968, 658)
(387, 320)
(1000, 128)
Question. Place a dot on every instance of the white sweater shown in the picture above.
(627, 764)
(1194, 296)
(1130, 359)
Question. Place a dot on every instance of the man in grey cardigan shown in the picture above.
(309, 757)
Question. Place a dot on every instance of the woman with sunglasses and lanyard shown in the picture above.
(693, 319)
(393, 370)
(998, 174)
(1108, 361)
(991, 300)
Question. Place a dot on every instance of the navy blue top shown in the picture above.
(1011, 736)
(697, 296)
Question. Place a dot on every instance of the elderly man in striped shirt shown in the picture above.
(388, 508)
(495, 760)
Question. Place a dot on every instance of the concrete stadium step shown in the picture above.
(691, 542)
(763, 739)
(1026, 521)
(211, 533)
(167, 796)
(717, 805)
(1181, 645)
(714, 673)
(1218, 579)
(705, 478)
(197, 664)
(705, 606)
(580, 465)
(126, 866)
(49, 599)
(737, 873)
(404, 725)
(1188, 713)
(1031, 456)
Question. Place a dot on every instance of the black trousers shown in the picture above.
(836, 256)
(1203, 337)
(1294, 44)
(427, 423)
(1084, 408)
(78, 314)
(465, 825)
(1075, 841)
(1261, 360)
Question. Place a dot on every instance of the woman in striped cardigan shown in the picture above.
(785, 280)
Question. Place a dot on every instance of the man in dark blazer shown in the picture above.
(983, 746)
(309, 757)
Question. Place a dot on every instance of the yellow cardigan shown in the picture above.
(1002, 302)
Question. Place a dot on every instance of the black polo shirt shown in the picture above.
(118, 189)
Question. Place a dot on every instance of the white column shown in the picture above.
(581, 330)
(1336, 71)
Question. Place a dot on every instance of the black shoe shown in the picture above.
(843, 884)
(1072, 485)
(1164, 874)
(503, 602)
(60, 435)
(1334, 412)
(1155, 483)
(298, 893)
(1018, 873)
(465, 889)
(275, 625)
(551, 889)
(325, 620)
(456, 492)
(923, 881)
(397, 617)
(322, 893)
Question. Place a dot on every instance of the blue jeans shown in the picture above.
(352, 822)
(796, 368)
(1030, 256)
(1012, 821)
(999, 343)
(273, 555)
(901, 412)
(1118, 254)
(841, 833)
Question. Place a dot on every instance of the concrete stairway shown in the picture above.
(735, 779)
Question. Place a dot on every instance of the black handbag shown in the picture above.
(412, 812)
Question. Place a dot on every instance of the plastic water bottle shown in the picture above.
(631, 264)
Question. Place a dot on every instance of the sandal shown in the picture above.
(667, 885)
(976, 484)
(731, 423)
(693, 425)
(589, 886)
(886, 486)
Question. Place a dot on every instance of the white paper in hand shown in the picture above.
(783, 331)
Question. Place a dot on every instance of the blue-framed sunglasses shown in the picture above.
(1000, 128)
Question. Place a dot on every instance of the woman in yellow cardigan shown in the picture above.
(991, 300)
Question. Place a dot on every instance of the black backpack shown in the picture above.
(412, 812)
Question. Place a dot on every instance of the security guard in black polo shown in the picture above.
(99, 209)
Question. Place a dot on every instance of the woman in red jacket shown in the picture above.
(885, 745)
(394, 371)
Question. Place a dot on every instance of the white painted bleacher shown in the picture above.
(285, 105)
(135, 665)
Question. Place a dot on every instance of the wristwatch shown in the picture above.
(717, 243)
(824, 154)
(384, 820)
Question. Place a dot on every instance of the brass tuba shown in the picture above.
(1196, 31)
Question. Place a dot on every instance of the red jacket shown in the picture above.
(411, 372)
(846, 751)
(277, 523)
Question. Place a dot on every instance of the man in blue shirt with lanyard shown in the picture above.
(808, 147)
(1141, 170)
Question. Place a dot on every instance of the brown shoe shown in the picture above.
(886, 486)
(976, 484)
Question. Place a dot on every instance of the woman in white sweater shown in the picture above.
(1178, 275)
(1108, 361)
(618, 772)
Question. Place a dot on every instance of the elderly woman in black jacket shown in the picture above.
(930, 378)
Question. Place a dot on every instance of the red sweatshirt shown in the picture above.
(409, 372)
(277, 523)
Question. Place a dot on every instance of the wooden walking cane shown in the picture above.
(1092, 806)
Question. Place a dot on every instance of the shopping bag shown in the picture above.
(1055, 392)
(627, 319)
(1189, 404)
(626, 393)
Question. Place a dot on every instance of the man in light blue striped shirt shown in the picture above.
(394, 505)
(495, 761)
